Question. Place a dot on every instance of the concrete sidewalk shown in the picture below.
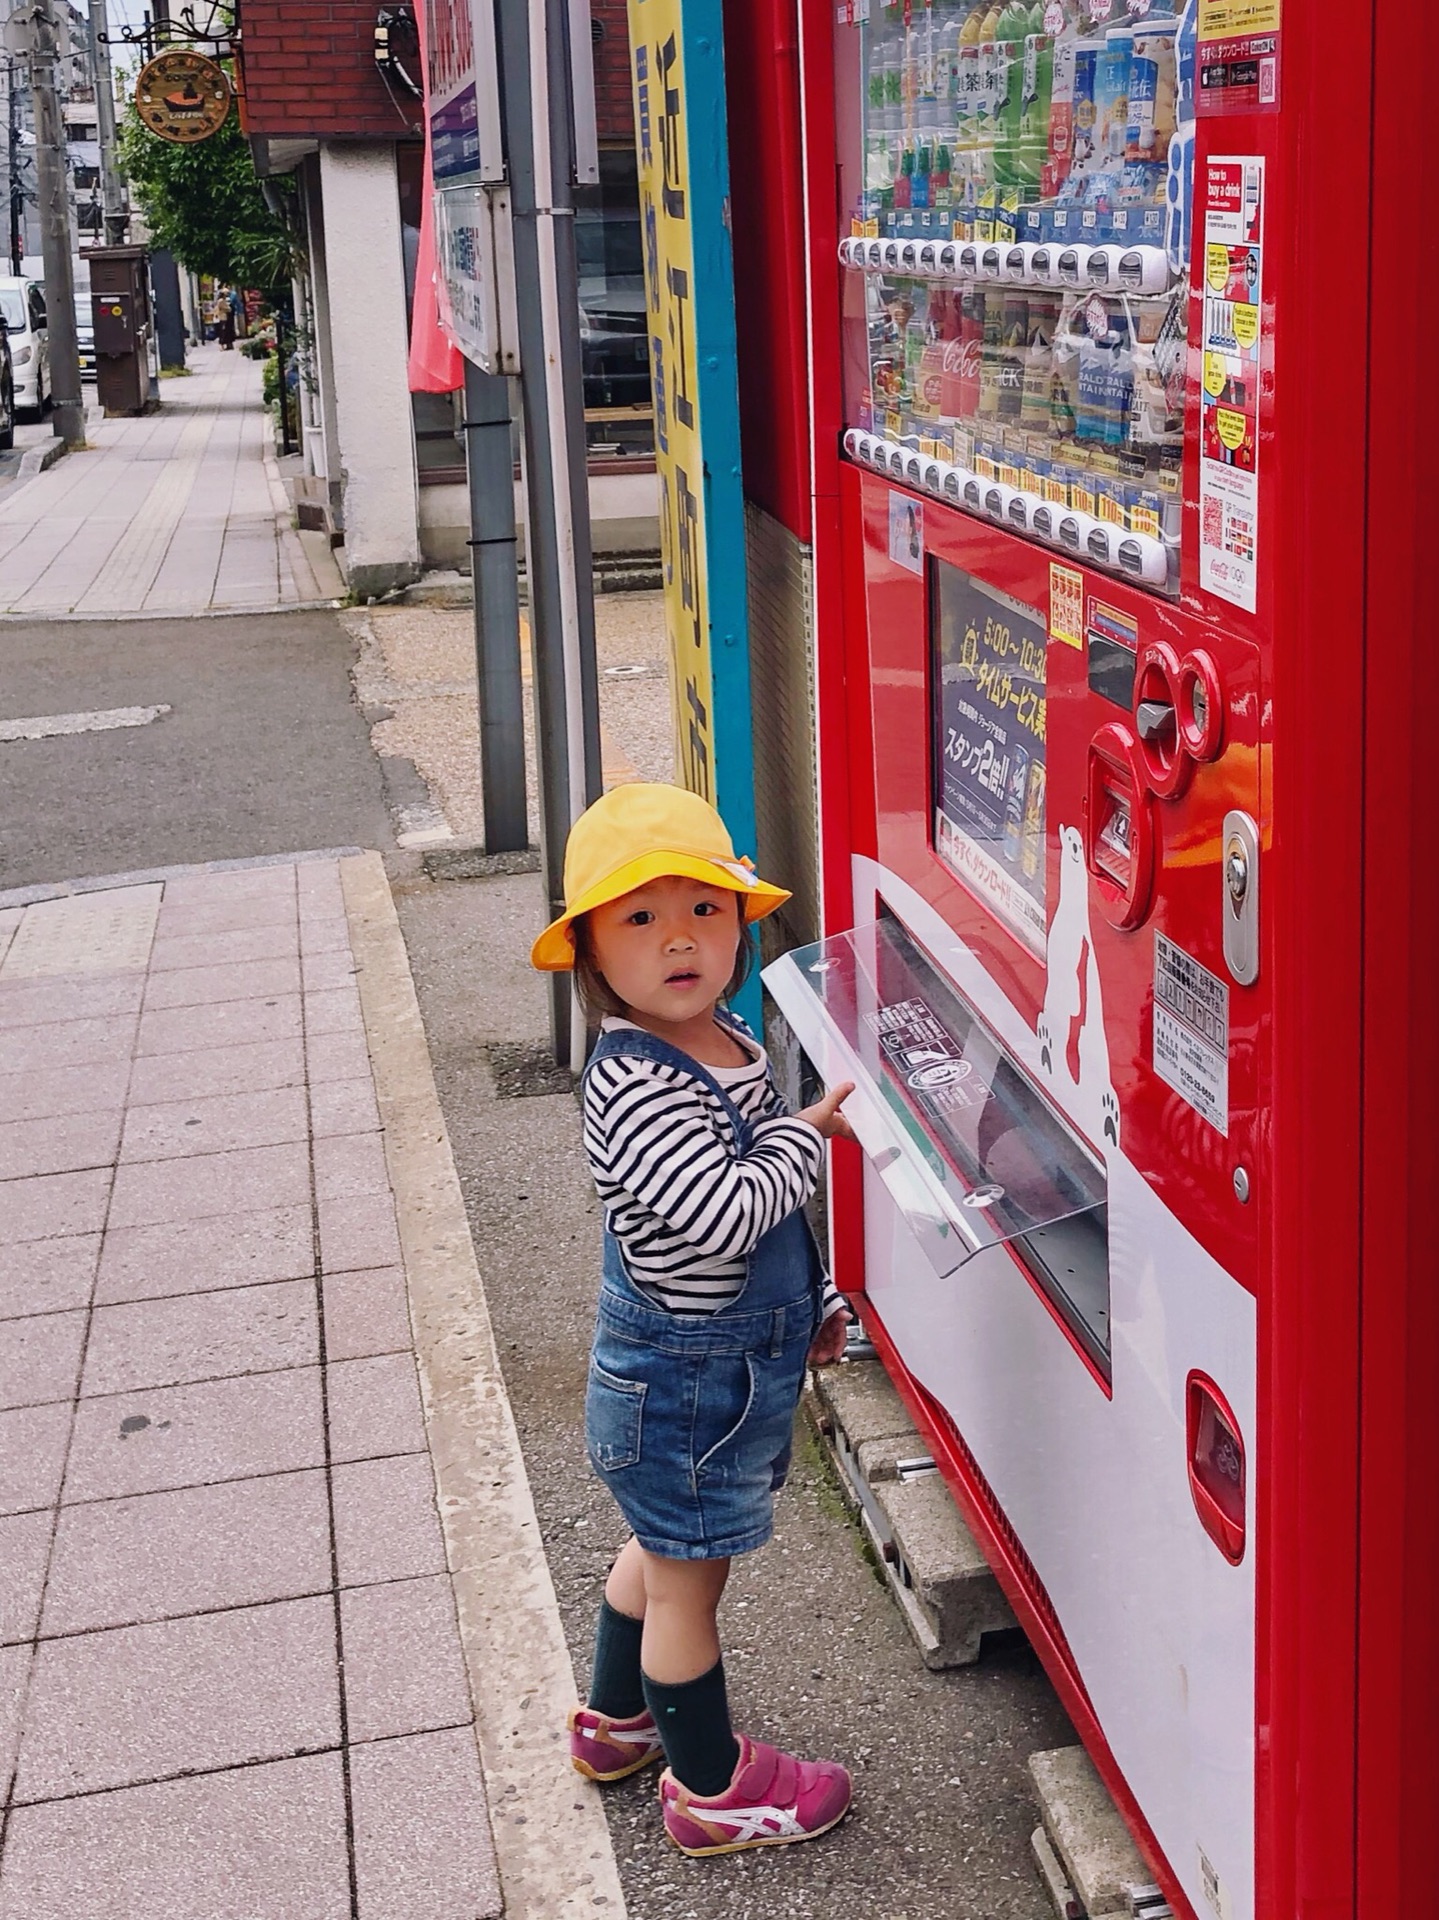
(241, 1340)
(179, 511)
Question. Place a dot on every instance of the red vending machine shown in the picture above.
(1122, 429)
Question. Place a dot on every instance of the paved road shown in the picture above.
(817, 1655)
(179, 511)
(262, 752)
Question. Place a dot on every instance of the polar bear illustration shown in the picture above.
(1073, 1046)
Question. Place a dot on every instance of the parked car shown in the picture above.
(7, 392)
(84, 320)
(614, 335)
(22, 303)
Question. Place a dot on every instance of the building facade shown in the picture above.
(78, 78)
(384, 469)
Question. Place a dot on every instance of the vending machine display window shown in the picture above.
(1018, 180)
(988, 700)
(966, 1145)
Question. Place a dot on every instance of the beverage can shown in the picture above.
(1014, 341)
(1032, 844)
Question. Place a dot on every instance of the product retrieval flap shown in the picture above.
(968, 1148)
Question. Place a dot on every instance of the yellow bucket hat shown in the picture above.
(639, 832)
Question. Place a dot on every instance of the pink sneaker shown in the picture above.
(772, 1800)
(605, 1749)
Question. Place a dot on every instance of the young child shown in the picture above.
(713, 1301)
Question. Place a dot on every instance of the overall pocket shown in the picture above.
(614, 1415)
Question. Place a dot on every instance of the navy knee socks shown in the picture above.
(693, 1718)
(615, 1687)
(693, 1722)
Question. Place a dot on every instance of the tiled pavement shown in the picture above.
(179, 511)
(231, 1683)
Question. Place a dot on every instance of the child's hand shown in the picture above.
(828, 1344)
(825, 1117)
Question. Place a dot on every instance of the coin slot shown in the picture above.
(1167, 765)
(1119, 826)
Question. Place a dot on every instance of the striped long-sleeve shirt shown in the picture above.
(684, 1206)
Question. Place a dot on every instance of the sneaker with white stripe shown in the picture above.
(604, 1749)
(773, 1800)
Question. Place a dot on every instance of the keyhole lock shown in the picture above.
(1198, 706)
(1240, 913)
(1236, 873)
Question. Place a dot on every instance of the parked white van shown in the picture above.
(22, 302)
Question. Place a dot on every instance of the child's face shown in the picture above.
(668, 948)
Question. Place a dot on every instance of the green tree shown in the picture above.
(204, 203)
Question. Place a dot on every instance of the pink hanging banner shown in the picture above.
(435, 366)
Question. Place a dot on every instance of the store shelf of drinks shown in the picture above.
(1100, 534)
(1108, 267)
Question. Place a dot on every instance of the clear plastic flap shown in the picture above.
(970, 1151)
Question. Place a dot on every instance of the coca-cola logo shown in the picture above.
(962, 358)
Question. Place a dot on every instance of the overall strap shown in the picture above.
(636, 1043)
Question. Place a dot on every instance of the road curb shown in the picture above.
(552, 1841)
(33, 462)
(37, 459)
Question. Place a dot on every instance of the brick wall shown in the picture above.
(614, 100)
(309, 72)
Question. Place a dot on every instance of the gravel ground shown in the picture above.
(817, 1655)
(416, 666)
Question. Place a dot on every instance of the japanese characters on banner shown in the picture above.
(454, 119)
(1231, 344)
(678, 64)
(465, 278)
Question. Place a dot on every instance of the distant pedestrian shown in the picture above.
(238, 316)
(713, 1301)
(225, 324)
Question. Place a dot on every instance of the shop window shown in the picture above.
(614, 337)
(614, 341)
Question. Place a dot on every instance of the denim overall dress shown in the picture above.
(689, 1418)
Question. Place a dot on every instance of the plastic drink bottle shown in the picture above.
(1086, 130)
(1032, 149)
(1111, 98)
(1010, 36)
(904, 182)
(1034, 412)
(920, 180)
(1152, 91)
(1060, 142)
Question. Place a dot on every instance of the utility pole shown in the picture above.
(115, 220)
(56, 241)
(13, 180)
(536, 47)
(494, 576)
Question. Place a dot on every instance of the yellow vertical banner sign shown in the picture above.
(678, 67)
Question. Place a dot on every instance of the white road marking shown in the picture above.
(47, 726)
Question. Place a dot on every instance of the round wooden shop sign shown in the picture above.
(183, 96)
